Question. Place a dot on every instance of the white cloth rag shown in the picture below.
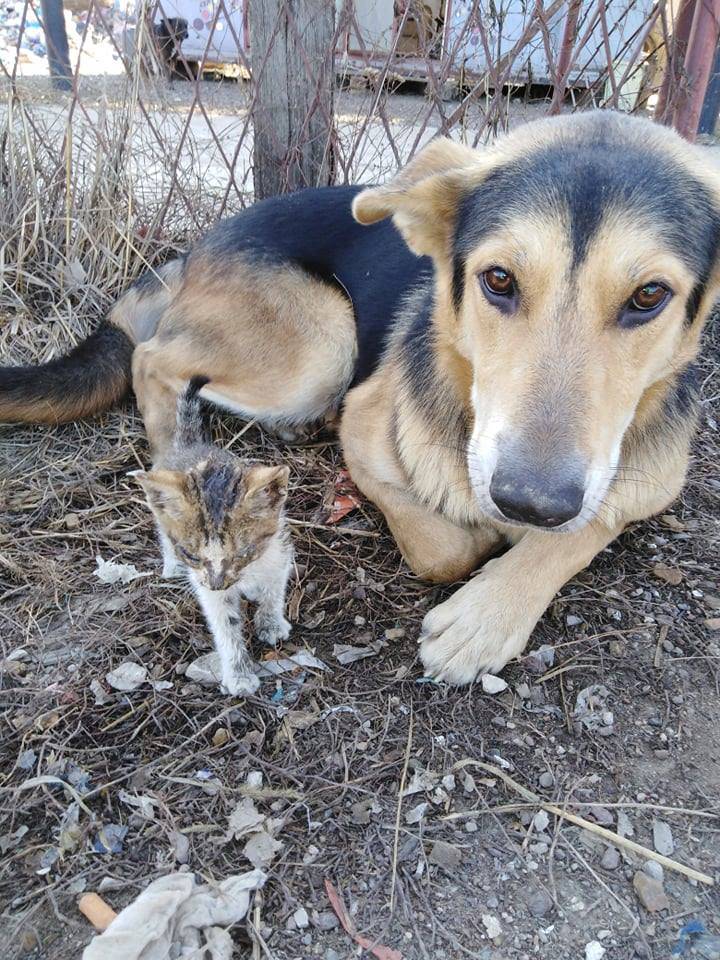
(176, 917)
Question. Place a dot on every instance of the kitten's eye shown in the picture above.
(191, 558)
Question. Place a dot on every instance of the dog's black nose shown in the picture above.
(535, 498)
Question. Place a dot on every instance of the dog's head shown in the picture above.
(575, 264)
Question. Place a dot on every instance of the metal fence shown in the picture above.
(164, 109)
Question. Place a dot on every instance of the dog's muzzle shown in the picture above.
(540, 498)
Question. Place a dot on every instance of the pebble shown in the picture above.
(546, 779)
(445, 855)
(324, 920)
(471, 826)
(539, 903)
(663, 838)
(650, 892)
(492, 684)
(594, 950)
(610, 859)
(654, 869)
(301, 918)
(331, 954)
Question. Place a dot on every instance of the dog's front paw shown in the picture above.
(240, 684)
(270, 629)
(478, 630)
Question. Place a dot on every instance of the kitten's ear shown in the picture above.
(164, 489)
(266, 486)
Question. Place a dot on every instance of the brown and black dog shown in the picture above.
(513, 350)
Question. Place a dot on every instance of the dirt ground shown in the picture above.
(335, 746)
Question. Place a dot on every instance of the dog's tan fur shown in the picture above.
(559, 376)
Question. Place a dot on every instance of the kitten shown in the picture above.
(220, 520)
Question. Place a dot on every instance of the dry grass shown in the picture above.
(66, 498)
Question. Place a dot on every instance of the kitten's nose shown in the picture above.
(215, 578)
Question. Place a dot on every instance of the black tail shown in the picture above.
(190, 423)
(89, 379)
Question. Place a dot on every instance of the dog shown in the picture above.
(512, 334)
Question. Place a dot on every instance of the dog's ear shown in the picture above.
(422, 199)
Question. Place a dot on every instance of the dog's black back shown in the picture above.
(315, 229)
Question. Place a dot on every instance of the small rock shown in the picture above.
(539, 903)
(492, 684)
(492, 925)
(610, 859)
(663, 838)
(650, 892)
(573, 621)
(445, 855)
(417, 813)
(301, 918)
(654, 869)
(541, 821)
(546, 780)
(72, 521)
(594, 950)
(331, 954)
(324, 920)
(471, 826)
(395, 633)
(624, 825)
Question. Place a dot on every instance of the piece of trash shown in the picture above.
(346, 499)
(345, 653)
(395, 633)
(663, 838)
(109, 839)
(161, 684)
(208, 782)
(540, 660)
(594, 950)
(262, 848)
(109, 571)
(244, 819)
(168, 917)
(98, 692)
(591, 707)
(445, 855)
(48, 860)
(127, 676)
(278, 695)
(422, 781)
(144, 804)
(26, 760)
(448, 782)
(492, 684)
(417, 813)
(70, 833)
(96, 910)
(376, 949)
(492, 926)
(362, 809)
(8, 841)
(694, 936)
(670, 575)
(181, 846)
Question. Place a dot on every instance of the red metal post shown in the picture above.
(566, 49)
(698, 66)
(677, 48)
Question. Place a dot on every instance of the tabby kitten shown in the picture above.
(220, 520)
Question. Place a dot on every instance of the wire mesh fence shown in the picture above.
(173, 104)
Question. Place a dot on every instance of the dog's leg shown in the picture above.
(490, 619)
(156, 393)
(433, 547)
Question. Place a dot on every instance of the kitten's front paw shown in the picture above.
(478, 630)
(240, 684)
(270, 630)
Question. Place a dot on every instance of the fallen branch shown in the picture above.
(587, 824)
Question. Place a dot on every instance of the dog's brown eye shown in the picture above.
(499, 281)
(649, 297)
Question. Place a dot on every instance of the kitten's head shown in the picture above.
(219, 515)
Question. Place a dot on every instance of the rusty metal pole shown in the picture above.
(566, 49)
(698, 67)
(677, 48)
